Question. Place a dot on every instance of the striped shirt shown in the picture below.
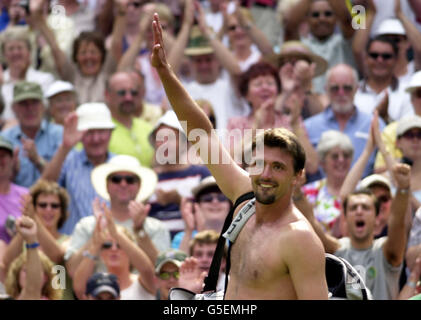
(75, 176)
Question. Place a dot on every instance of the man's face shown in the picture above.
(277, 179)
(360, 217)
(203, 252)
(123, 187)
(214, 206)
(380, 60)
(410, 144)
(61, 104)
(29, 113)
(383, 195)
(6, 164)
(416, 100)
(321, 19)
(341, 88)
(95, 142)
(105, 295)
(124, 95)
(205, 68)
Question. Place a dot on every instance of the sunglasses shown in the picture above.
(122, 93)
(209, 197)
(116, 179)
(417, 93)
(108, 245)
(410, 135)
(135, 4)
(46, 204)
(385, 56)
(167, 275)
(346, 88)
(233, 27)
(317, 14)
(383, 198)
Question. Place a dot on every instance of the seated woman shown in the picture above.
(260, 85)
(335, 153)
(46, 204)
(91, 64)
(119, 252)
(30, 276)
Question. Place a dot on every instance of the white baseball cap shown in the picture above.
(391, 26)
(415, 82)
(58, 87)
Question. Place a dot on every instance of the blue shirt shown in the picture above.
(75, 176)
(47, 141)
(357, 129)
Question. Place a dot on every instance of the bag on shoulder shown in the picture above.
(343, 281)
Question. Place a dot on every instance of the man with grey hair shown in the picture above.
(342, 115)
(335, 153)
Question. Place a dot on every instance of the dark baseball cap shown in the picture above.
(25, 90)
(103, 282)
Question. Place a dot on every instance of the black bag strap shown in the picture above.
(212, 278)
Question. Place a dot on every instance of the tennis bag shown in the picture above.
(343, 281)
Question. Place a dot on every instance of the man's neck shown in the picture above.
(379, 84)
(125, 120)
(362, 244)
(97, 160)
(272, 212)
(30, 132)
(120, 212)
(343, 118)
(4, 186)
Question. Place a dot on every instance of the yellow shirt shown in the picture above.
(389, 139)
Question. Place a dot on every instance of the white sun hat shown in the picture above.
(127, 163)
(94, 115)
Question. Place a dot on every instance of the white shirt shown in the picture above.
(399, 101)
(223, 99)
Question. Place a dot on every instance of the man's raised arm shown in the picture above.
(232, 180)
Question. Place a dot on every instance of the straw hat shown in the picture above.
(127, 163)
(297, 49)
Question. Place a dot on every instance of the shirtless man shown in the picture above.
(277, 255)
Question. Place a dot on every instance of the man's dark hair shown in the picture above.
(286, 141)
(385, 39)
(365, 191)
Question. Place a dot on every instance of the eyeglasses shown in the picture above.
(335, 156)
(47, 204)
(233, 27)
(116, 179)
(122, 93)
(167, 275)
(108, 245)
(385, 56)
(346, 88)
(209, 197)
(410, 135)
(317, 14)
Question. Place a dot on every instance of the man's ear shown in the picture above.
(300, 178)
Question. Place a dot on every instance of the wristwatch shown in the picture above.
(87, 254)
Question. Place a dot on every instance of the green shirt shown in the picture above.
(133, 141)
